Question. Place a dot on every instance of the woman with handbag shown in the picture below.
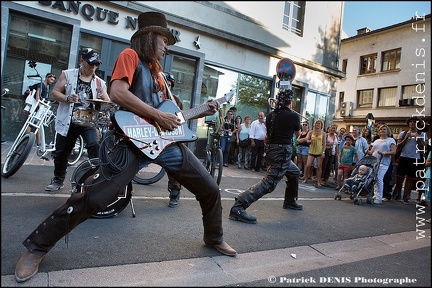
(228, 128)
(410, 147)
(243, 142)
(302, 148)
(382, 148)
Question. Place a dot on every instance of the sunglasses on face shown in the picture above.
(305, 124)
(94, 64)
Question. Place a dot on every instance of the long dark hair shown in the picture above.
(145, 45)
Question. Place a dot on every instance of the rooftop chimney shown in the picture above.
(363, 30)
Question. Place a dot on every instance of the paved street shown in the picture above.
(329, 243)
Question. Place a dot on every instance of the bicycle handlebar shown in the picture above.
(4, 91)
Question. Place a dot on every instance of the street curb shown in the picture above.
(222, 270)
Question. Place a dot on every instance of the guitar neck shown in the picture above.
(191, 113)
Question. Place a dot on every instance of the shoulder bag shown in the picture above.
(399, 148)
(245, 143)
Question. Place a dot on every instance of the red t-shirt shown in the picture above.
(125, 66)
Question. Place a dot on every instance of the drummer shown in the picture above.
(72, 90)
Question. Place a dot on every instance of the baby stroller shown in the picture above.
(365, 188)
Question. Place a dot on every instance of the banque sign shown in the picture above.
(90, 13)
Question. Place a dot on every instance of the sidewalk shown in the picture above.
(273, 265)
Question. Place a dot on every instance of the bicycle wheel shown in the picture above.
(77, 151)
(18, 156)
(217, 165)
(86, 169)
(150, 174)
(207, 160)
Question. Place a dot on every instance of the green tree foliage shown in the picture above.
(252, 95)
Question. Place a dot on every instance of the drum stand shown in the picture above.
(132, 206)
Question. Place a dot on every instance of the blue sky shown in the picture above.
(380, 14)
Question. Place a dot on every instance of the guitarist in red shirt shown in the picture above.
(143, 133)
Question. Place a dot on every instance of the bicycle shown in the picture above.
(213, 159)
(44, 149)
(40, 115)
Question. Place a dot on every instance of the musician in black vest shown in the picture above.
(281, 124)
(137, 86)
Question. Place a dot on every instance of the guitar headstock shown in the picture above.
(228, 96)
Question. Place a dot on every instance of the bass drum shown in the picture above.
(86, 169)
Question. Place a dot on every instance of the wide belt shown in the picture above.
(279, 145)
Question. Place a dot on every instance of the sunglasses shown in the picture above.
(94, 64)
(305, 124)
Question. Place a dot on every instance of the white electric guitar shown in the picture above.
(149, 137)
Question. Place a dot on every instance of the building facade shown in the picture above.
(224, 45)
(387, 75)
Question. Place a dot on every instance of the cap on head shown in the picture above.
(91, 56)
(170, 77)
(154, 22)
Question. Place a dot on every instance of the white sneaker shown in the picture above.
(376, 201)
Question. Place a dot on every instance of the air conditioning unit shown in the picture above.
(346, 109)
(406, 102)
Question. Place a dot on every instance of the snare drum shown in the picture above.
(83, 117)
(102, 118)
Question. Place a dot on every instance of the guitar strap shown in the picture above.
(169, 94)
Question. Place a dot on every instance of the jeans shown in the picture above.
(246, 152)
(280, 165)
(64, 146)
(225, 143)
(257, 153)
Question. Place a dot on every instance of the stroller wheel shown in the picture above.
(337, 197)
(357, 201)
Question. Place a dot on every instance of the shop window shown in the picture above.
(316, 107)
(30, 38)
(251, 95)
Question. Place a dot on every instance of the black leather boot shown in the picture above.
(238, 211)
(174, 198)
(291, 194)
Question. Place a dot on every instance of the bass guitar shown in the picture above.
(149, 137)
